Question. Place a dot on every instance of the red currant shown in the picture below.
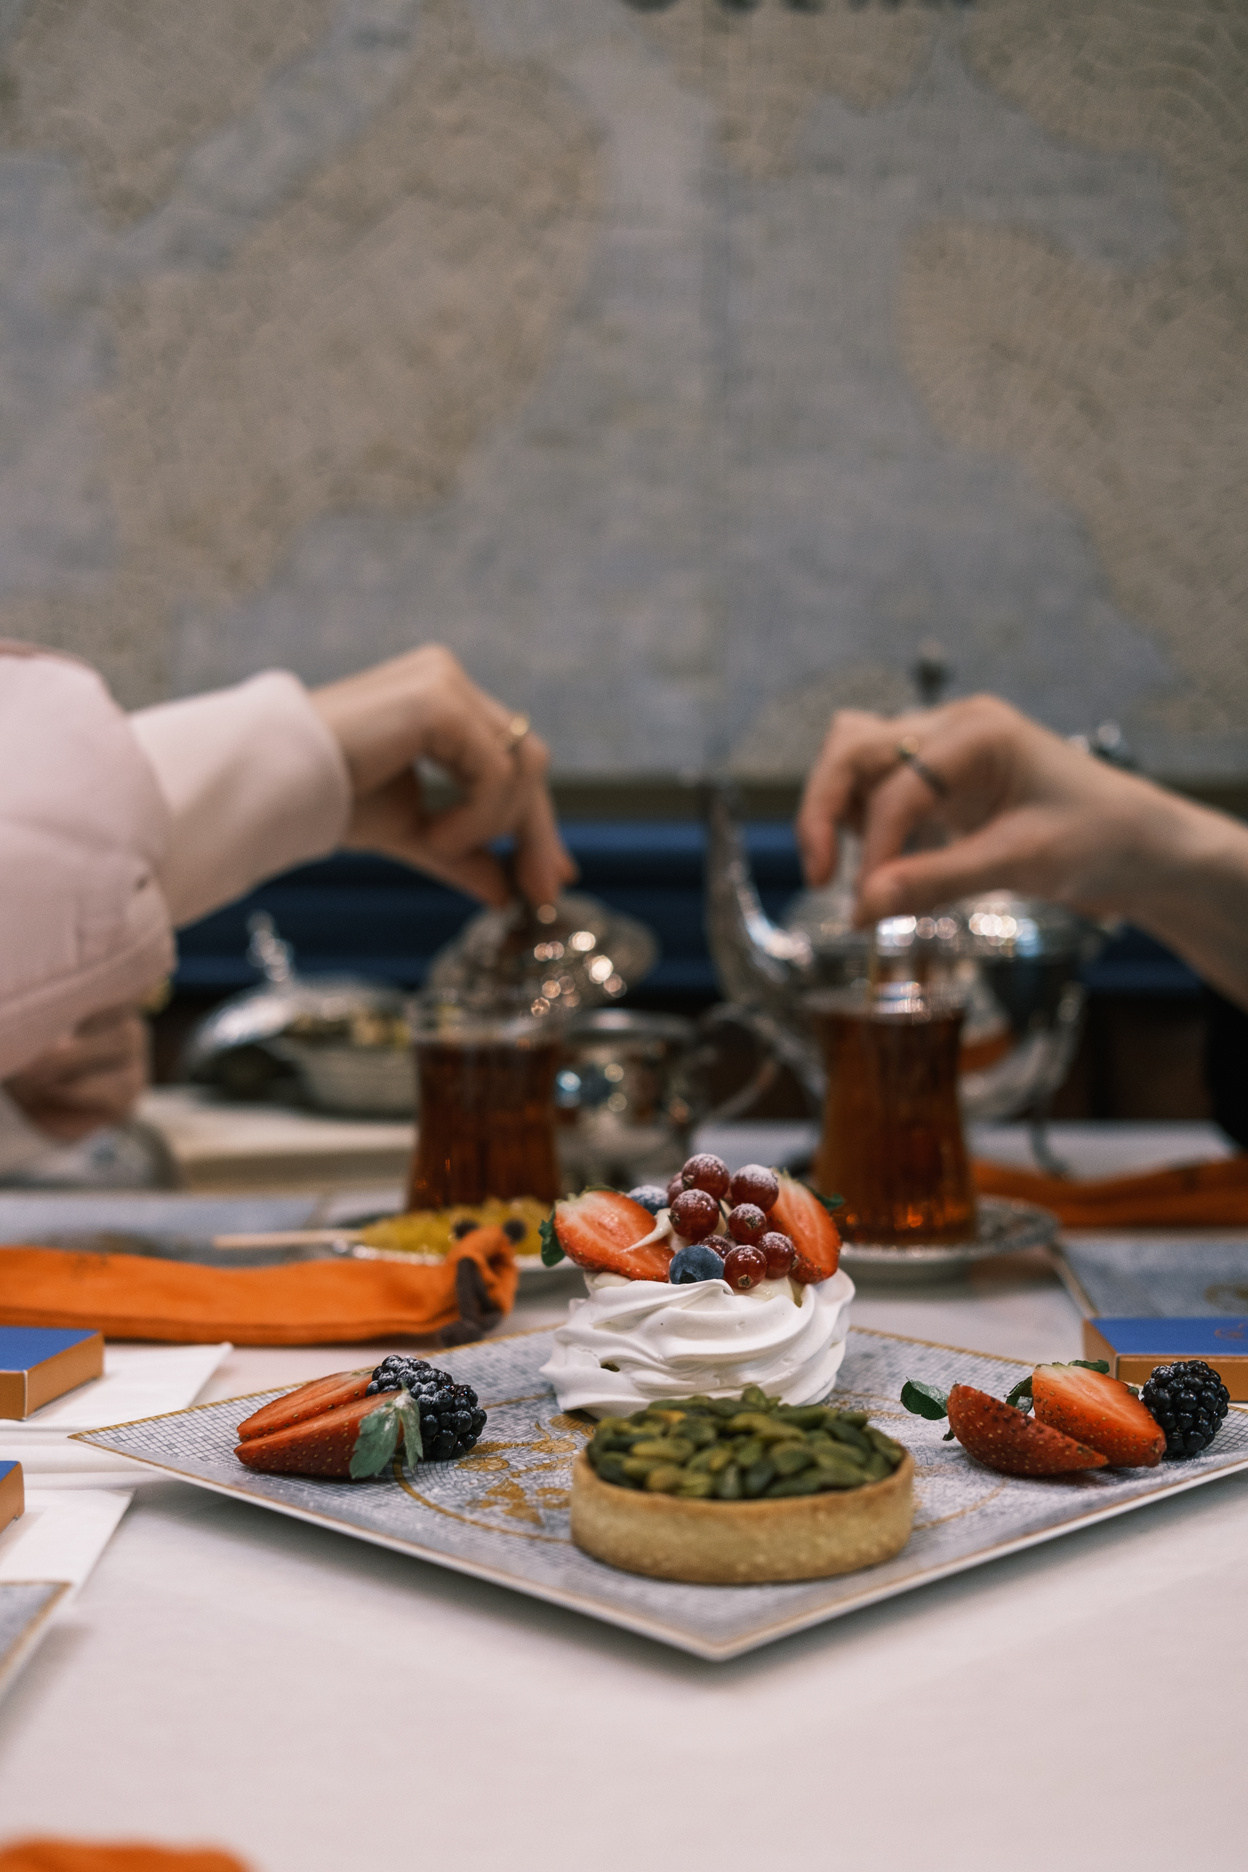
(744, 1268)
(754, 1184)
(708, 1173)
(721, 1245)
(746, 1222)
(694, 1214)
(780, 1253)
(674, 1188)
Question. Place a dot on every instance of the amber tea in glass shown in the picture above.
(486, 1112)
(892, 1144)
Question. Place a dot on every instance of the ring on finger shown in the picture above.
(908, 755)
(516, 730)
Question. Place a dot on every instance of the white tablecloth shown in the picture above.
(320, 1706)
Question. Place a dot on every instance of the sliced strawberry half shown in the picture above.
(798, 1213)
(598, 1231)
(320, 1445)
(308, 1400)
(1002, 1438)
(1098, 1410)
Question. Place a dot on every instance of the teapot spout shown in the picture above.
(763, 969)
(758, 963)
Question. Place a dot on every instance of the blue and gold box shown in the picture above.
(1133, 1347)
(39, 1363)
(12, 1495)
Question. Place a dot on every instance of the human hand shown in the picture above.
(1024, 810)
(92, 1077)
(423, 706)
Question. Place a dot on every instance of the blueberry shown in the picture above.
(695, 1263)
(650, 1196)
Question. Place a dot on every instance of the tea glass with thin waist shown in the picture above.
(485, 1072)
(892, 1145)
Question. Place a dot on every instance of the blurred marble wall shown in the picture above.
(682, 363)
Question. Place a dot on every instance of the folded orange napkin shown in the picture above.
(53, 1855)
(308, 1303)
(1203, 1195)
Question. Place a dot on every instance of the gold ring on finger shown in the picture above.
(517, 728)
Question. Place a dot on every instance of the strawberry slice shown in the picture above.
(1098, 1410)
(798, 1213)
(598, 1230)
(320, 1445)
(307, 1400)
(1002, 1438)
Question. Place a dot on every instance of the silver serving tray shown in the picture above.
(501, 1514)
(1005, 1226)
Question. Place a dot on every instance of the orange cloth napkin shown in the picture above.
(53, 1855)
(1203, 1195)
(308, 1303)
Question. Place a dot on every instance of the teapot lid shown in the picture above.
(576, 953)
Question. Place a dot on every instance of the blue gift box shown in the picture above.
(1134, 1347)
(12, 1498)
(39, 1363)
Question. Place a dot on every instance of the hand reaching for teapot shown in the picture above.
(423, 706)
(92, 1077)
(1024, 810)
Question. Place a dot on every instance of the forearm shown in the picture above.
(1192, 892)
(254, 782)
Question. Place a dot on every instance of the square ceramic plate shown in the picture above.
(501, 1513)
(26, 1608)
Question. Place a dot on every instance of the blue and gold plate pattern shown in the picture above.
(501, 1513)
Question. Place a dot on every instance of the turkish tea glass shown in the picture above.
(485, 1102)
(892, 1145)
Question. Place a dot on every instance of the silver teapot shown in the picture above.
(1018, 959)
(634, 1085)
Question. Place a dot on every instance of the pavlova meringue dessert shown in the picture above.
(718, 1282)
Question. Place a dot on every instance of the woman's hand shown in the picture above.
(1024, 810)
(423, 706)
(93, 1077)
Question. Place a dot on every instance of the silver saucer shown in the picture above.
(1004, 1227)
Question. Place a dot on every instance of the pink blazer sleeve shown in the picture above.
(115, 829)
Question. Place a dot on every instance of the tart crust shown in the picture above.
(735, 1543)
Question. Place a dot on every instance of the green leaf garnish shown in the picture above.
(376, 1441)
(1091, 1364)
(378, 1436)
(924, 1400)
(408, 1412)
(552, 1253)
(830, 1203)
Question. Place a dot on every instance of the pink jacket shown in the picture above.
(116, 829)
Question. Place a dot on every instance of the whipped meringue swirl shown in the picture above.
(632, 1342)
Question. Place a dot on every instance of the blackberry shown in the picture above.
(1189, 1401)
(450, 1418)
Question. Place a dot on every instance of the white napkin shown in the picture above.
(62, 1534)
(138, 1381)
